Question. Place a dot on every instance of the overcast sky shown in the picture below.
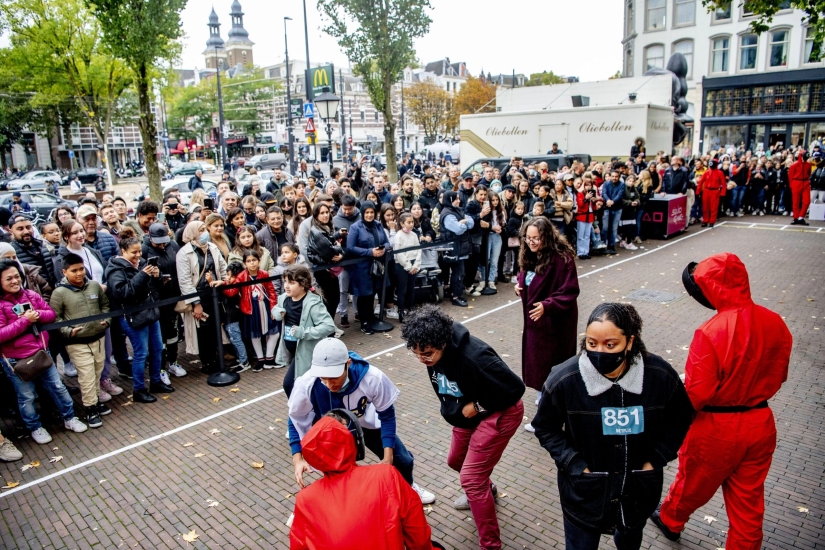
(581, 38)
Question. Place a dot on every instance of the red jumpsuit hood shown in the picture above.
(724, 281)
(329, 447)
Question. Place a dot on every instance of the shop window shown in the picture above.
(656, 15)
(779, 48)
(747, 52)
(654, 57)
(685, 47)
(720, 55)
(685, 12)
(725, 136)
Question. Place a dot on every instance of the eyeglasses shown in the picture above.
(532, 240)
(421, 356)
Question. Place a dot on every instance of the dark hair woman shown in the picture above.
(612, 418)
(235, 220)
(549, 287)
(366, 239)
(324, 248)
(301, 211)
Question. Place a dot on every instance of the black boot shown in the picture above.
(657, 520)
(93, 417)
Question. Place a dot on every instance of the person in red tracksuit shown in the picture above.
(800, 175)
(711, 186)
(737, 361)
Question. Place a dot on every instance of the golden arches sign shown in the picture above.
(319, 78)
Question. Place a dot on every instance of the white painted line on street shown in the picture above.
(752, 225)
(198, 422)
(783, 228)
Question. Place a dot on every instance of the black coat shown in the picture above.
(569, 425)
(167, 262)
(322, 246)
(129, 287)
(36, 254)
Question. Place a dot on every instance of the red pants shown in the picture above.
(474, 453)
(733, 450)
(801, 197)
(710, 205)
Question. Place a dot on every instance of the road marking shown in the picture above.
(198, 422)
(752, 225)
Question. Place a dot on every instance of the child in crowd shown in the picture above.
(51, 236)
(77, 296)
(538, 209)
(290, 255)
(232, 323)
(256, 301)
(406, 264)
(305, 323)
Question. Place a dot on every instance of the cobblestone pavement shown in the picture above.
(153, 472)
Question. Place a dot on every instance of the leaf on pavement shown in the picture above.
(216, 399)
(189, 444)
(239, 427)
(102, 481)
(55, 459)
(198, 455)
(165, 397)
(802, 509)
(505, 355)
(213, 504)
(191, 536)
(234, 390)
(427, 509)
(30, 465)
(470, 307)
(10, 485)
(502, 495)
(128, 403)
(278, 420)
(710, 519)
(215, 431)
(388, 354)
(257, 465)
(271, 428)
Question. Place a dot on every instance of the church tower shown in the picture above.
(215, 52)
(238, 44)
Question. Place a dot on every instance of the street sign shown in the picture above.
(309, 110)
(319, 78)
(71, 154)
(296, 107)
(311, 139)
(310, 127)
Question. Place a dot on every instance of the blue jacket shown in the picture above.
(106, 245)
(360, 242)
(614, 193)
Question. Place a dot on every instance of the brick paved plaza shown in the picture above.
(154, 472)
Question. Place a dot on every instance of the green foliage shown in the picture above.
(616, 75)
(14, 112)
(377, 36)
(764, 10)
(189, 109)
(247, 98)
(544, 79)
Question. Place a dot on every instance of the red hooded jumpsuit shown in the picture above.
(800, 175)
(738, 358)
(354, 507)
(711, 186)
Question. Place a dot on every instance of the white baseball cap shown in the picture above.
(329, 358)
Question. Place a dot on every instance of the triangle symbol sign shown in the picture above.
(646, 217)
(310, 125)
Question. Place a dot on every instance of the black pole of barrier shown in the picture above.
(223, 377)
(381, 325)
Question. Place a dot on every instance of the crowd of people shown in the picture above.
(285, 260)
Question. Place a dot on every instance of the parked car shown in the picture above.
(209, 186)
(86, 175)
(43, 203)
(269, 160)
(189, 168)
(554, 162)
(36, 179)
(265, 177)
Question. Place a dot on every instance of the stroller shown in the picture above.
(427, 282)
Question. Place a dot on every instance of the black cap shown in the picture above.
(159, 233)
(509, 187)
(468, 176)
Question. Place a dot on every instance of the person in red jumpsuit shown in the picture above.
(711, 186)
(354, 507)
(737, 361)
(799, 175)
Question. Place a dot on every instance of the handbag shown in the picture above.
(513, 242)
(377, 268)
(29, 368)
(182, 306)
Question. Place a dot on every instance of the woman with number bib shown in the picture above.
(611, 418)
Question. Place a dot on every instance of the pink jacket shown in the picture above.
(16, 337)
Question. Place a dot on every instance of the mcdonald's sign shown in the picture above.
(319, 78)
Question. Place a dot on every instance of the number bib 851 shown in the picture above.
(623, 421)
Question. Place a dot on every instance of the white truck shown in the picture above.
(602, 132)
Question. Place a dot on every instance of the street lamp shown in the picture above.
(289, 103)
(221, 141)
(327, 104)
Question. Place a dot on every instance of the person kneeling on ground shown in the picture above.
(341, 379)
(354, 507)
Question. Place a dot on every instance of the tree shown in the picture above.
(247, 98)
(544, 78)
(764, 10)
(58, 59)
(428, 105)
(475, 96)
(616, 75)
(377, 36)
(14, 111)
(142, 33)
(190, 109)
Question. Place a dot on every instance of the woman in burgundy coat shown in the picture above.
(548, 285)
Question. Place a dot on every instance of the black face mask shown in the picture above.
(692, 288)
(606, 362)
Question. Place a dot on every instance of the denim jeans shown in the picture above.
(736, 196)
(583, 230)
(402, 458)
(233, 331)
(343, 286)
(493, 252)
(576, 538)
(26, 394)
(610, 226)
(758, 198)
(146, 343)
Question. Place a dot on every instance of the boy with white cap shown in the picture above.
(342, 379)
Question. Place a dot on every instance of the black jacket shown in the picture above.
(36, 254)
(129, 287)
(167, 262)
(569, 425)
(428, 201)
(676, 181)
(471, 371)
(818, 178)
(57, 259)
(175, 222)
(322, 246)
(195, 183)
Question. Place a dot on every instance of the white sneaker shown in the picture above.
(469, 290)
(104, 397)
(491, 286)
(69, 369)
(530, 428)
(514, 280)
(176, 370)
(761, 212)
(8, 452)
(40, 435)
(478, 289)
(621, 243)
(164, 377)
(739, 214)
(426, 496)
(340, 332)
(74, 424)
(377, 309)
(784, 212)
(110, 387)
(631, 246)
(392, 313)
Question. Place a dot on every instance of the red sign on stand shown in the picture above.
(310, 127)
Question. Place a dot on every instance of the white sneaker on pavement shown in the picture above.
(491, 285)
(8, 452)
(392, 312)
(426, 496)
(164, 377)
(103, 396)
(110, 387)
(69, 369)
(340, 332)
(530, 428)
(176, 370)
(631, 246)
(40, 435)
(74, 424)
